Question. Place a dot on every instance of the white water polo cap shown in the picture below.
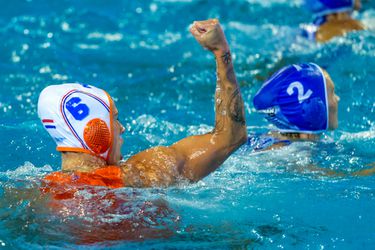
(78, 117)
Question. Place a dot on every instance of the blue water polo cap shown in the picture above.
(325, 7)
(294, 99)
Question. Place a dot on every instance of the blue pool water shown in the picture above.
(163, 85)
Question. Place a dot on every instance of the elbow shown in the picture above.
(194, 179)
(238, 138)
(232, 138)
(193, 176)
(242, 136)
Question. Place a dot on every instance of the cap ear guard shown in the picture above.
(313, 113)
(97, 136)
(279, 120)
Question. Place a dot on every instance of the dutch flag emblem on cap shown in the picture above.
(49, 124)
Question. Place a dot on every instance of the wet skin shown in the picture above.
(118, 129)
(338, 24)
(191, 158)
(195, 157)
(333, 100)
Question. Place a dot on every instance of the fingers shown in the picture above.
(197, 29)
(194, 31)
(208, 22)
(206, 25)
(201, 27)
(208, 33)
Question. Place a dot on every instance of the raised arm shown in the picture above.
(205, 153)
(196, 156)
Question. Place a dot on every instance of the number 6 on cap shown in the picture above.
(78, 110)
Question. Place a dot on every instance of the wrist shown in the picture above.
(221, 51)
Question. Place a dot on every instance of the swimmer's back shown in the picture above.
(337, 28)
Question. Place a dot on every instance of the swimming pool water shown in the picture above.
(163, 83)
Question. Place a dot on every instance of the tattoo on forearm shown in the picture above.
(236, 108)
(231, 76)
(219, 109)
(229, 103)
(228, 75)
(227, 58)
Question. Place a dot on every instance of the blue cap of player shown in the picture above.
(325, 7)
(294, 99)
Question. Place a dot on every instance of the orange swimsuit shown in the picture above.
(139, 219)
(110, 176)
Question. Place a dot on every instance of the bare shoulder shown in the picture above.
(338, 28)
(158, 166)
(356, 25)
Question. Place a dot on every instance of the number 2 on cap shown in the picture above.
(301, 95)
(78, 110)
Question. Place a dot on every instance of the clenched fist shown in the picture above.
(210, 35)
